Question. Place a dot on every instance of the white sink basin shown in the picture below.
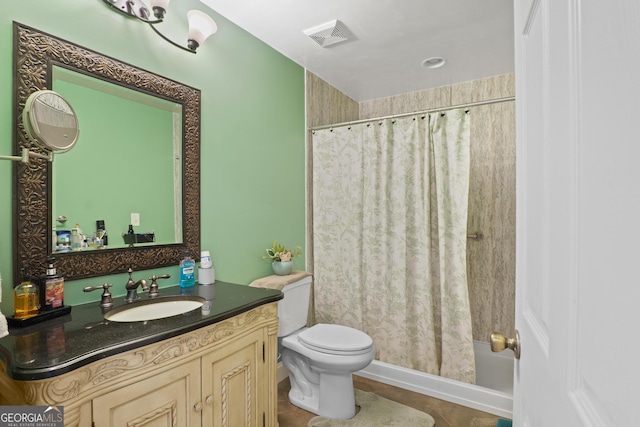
(152, 309)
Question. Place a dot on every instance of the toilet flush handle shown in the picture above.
(499, 342)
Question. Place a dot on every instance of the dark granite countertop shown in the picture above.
(57, 346)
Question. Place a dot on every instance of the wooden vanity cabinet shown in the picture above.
(231, 379)
(221, 375)
(163, 399)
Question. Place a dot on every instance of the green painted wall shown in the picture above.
(253, 130)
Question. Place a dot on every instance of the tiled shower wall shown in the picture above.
(491, 257)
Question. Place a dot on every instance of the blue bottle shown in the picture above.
(187, 271)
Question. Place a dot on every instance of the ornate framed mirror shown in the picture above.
(36, 54)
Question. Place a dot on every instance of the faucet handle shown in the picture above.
(106, 301)
(130, 282)
(154, 291)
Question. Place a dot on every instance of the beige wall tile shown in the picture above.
(327, 105)
(494, 87)
(438, 97)
(406, 103)
(491, 259)
(462, 93)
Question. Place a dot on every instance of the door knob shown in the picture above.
(499, 342)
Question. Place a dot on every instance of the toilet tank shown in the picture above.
(294, 307)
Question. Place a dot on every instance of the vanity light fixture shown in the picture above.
(201, 25)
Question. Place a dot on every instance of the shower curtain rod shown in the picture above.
(433, 110)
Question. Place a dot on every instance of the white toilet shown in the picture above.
(320, 359)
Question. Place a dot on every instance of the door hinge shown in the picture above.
(264, 419)
(263, 353)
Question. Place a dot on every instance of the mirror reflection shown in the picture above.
(36, 54)
(129, 165)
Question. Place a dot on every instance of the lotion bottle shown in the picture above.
(26, 301)
(51, 288)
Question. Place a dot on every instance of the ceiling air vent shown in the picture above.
(329, 34)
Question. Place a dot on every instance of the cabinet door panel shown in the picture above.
(164, 400)
(230, 384)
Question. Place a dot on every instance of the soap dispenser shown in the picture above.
(51, 288)
(26, 301)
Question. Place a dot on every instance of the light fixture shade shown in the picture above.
(160, 3)
(201, 26)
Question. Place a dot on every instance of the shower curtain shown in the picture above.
(389, 238)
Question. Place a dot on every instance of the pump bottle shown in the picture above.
(26, 301)
(51, 288)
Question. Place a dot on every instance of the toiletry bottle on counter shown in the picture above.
(26, 301)
(206, 279)
(51, 288)
(206, 272)
(187, 271)
(75, 239)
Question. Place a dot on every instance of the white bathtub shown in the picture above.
(493, 392)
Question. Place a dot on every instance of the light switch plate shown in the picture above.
(135, 219)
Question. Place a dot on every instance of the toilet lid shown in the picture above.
(335, 339)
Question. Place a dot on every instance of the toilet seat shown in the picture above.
(335, 339)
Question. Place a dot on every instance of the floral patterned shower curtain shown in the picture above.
(389, 238)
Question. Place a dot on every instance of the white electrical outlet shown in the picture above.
(135, 219)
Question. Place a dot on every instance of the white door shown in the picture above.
(578, 213)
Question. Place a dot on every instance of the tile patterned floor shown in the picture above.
(446, 414)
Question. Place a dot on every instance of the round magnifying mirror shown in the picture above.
(50, 121)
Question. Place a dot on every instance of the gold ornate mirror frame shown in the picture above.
(35, 53)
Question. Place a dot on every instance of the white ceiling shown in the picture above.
(390, 40)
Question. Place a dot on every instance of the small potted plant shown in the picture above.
(281, 258)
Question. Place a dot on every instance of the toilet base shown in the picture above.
(339, 404)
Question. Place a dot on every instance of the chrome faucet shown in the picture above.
(132, 287)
